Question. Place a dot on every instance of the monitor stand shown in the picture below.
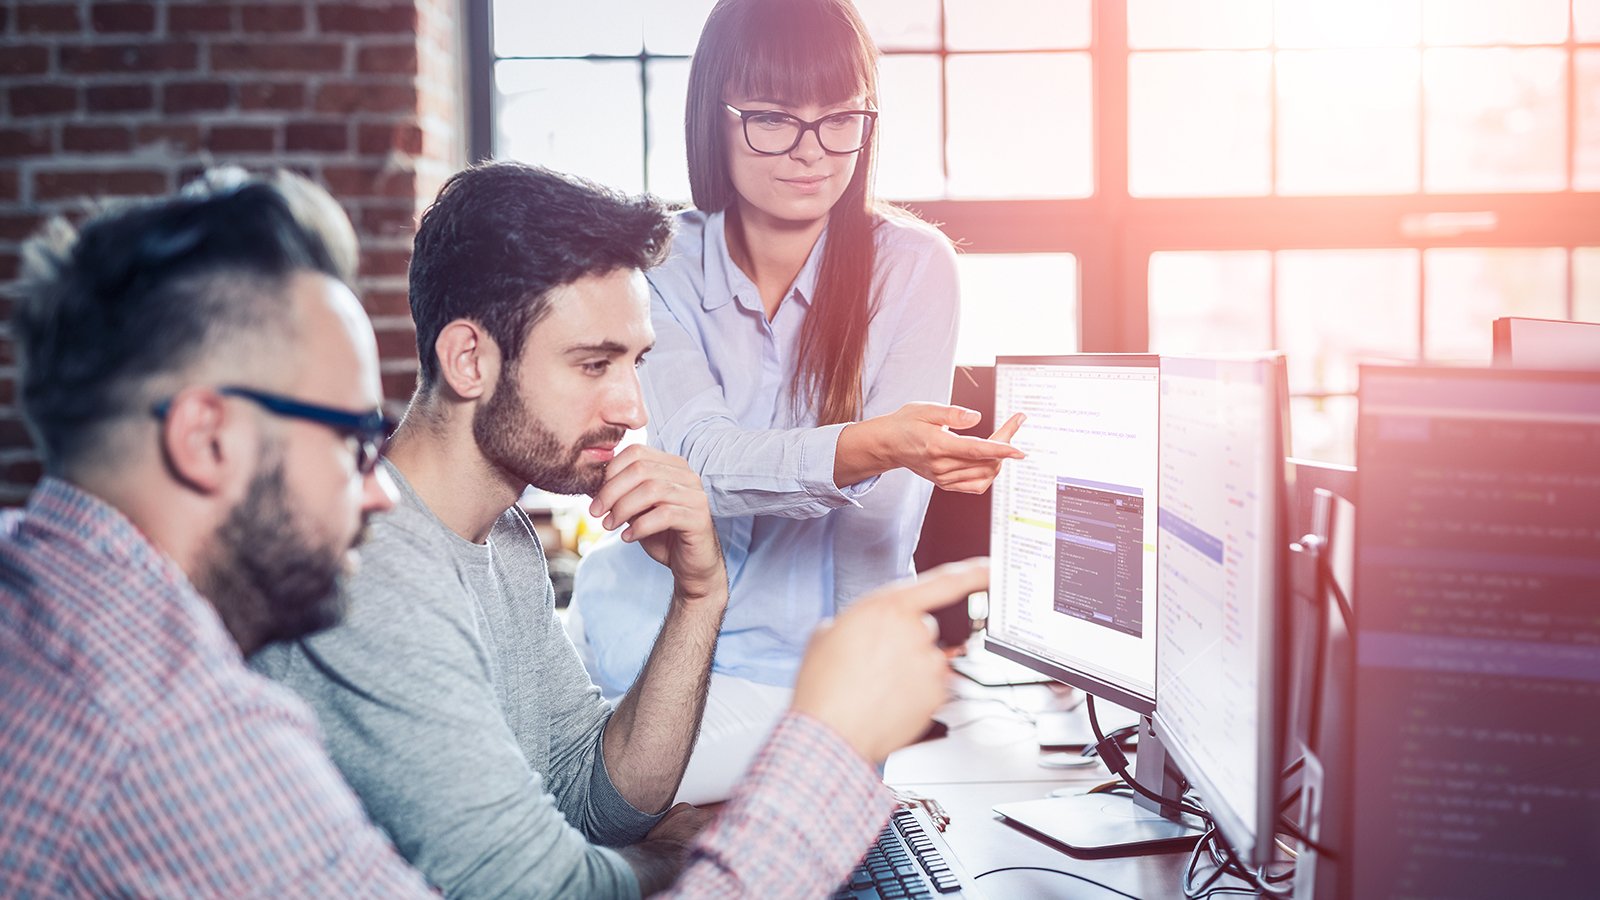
(1099, 825)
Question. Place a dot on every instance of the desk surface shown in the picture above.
(991, 756)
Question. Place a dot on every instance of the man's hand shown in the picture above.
(917, 436)
(665, 508)
(658, 859)
(874, 675)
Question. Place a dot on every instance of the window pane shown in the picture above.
(1347, 121)
(1198, 123)
(1199, 24)
(1347, 23)
(1586, 19)
(1323, 429)
(1494, 21)
(574, 116)
(1586, 284)
(902, 24)
(668, 160)
(1586, 162)
(1339, 307)
(1496, 120)
(606, 27)
(1468, 289)
(1020, 126)
(1016, 303)
(1017, 24)
(672, 27)
(1210, 302)
(909, 128)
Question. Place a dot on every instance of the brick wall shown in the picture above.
(133, 98)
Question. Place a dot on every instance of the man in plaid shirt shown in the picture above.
(204, 390)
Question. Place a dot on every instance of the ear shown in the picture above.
(194, 441)
(469, 359)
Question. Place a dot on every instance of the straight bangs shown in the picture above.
(802, 53)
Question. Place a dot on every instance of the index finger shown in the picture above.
(984, 448)
(1009, 430)
(943, 585)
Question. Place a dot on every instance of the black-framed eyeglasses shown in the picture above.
(370, 430)
(771, 133)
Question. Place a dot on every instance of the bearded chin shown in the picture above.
(527, 452)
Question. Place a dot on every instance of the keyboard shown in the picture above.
(909, 860)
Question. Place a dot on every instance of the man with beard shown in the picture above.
(452, 699)
(203, 389)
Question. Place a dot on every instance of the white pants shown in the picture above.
(739, 715)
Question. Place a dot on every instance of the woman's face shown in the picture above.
(798, 187)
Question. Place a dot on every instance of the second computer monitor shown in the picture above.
(1223, 542)
(1073, 526)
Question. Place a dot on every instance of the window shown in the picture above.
(1340, 179)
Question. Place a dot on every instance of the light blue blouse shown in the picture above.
(718, 390)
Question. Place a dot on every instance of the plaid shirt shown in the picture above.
(797, 824)
(138, 755)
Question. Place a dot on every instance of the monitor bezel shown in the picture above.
(1255, 843)
(1119, 694)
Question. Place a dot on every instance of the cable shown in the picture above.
(1098, 884)
(1117, 762)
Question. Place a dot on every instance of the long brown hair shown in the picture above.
(805, 51)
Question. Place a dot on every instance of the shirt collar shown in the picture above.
(725, 281)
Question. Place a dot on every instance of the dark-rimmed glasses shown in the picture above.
(771, 133)
(370, 430)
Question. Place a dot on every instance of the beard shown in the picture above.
(270, 578)
(522, 447)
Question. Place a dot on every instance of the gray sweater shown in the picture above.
(455, 705)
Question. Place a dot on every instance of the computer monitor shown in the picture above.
(1546, 344)
(1073, 526)
(1073, 556)
(1475, 735)
(1223, 547)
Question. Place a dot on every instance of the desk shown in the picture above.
(991, 756)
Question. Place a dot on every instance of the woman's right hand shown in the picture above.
(917, 437)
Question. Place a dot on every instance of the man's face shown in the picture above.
(282, 548)
(557, 412)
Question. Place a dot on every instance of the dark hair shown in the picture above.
(501, 235)
(803, 51)
(145, 289)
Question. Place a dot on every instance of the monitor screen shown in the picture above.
(1223, 544)
(1072, 527)
(1546, 344)
(1476, 722)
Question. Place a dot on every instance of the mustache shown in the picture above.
(599, 437)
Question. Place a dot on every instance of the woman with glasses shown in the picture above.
(804, 345)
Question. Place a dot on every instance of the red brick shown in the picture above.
(202, 18)
(349, 182)
(62, 184)
(119, 98)
(8, 271)
(374, 139)
(22, 471)
(13, 433)
(379, 263)
(242, 139)
(122, 17)
(401, 385)
(96, 139)
(364, 19)
(195, 96)
(399, 59)
(397, 343)
(156, 56)
(42, 99)
(269, 95)
(25, 61)
(319, 137)
(16, 226)
(10, 189)
(260, 18)
(177, 138)
(366, 98)
(24, 142)
(48, 18)
(386, 303)
(288, 57)
(389, 220)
